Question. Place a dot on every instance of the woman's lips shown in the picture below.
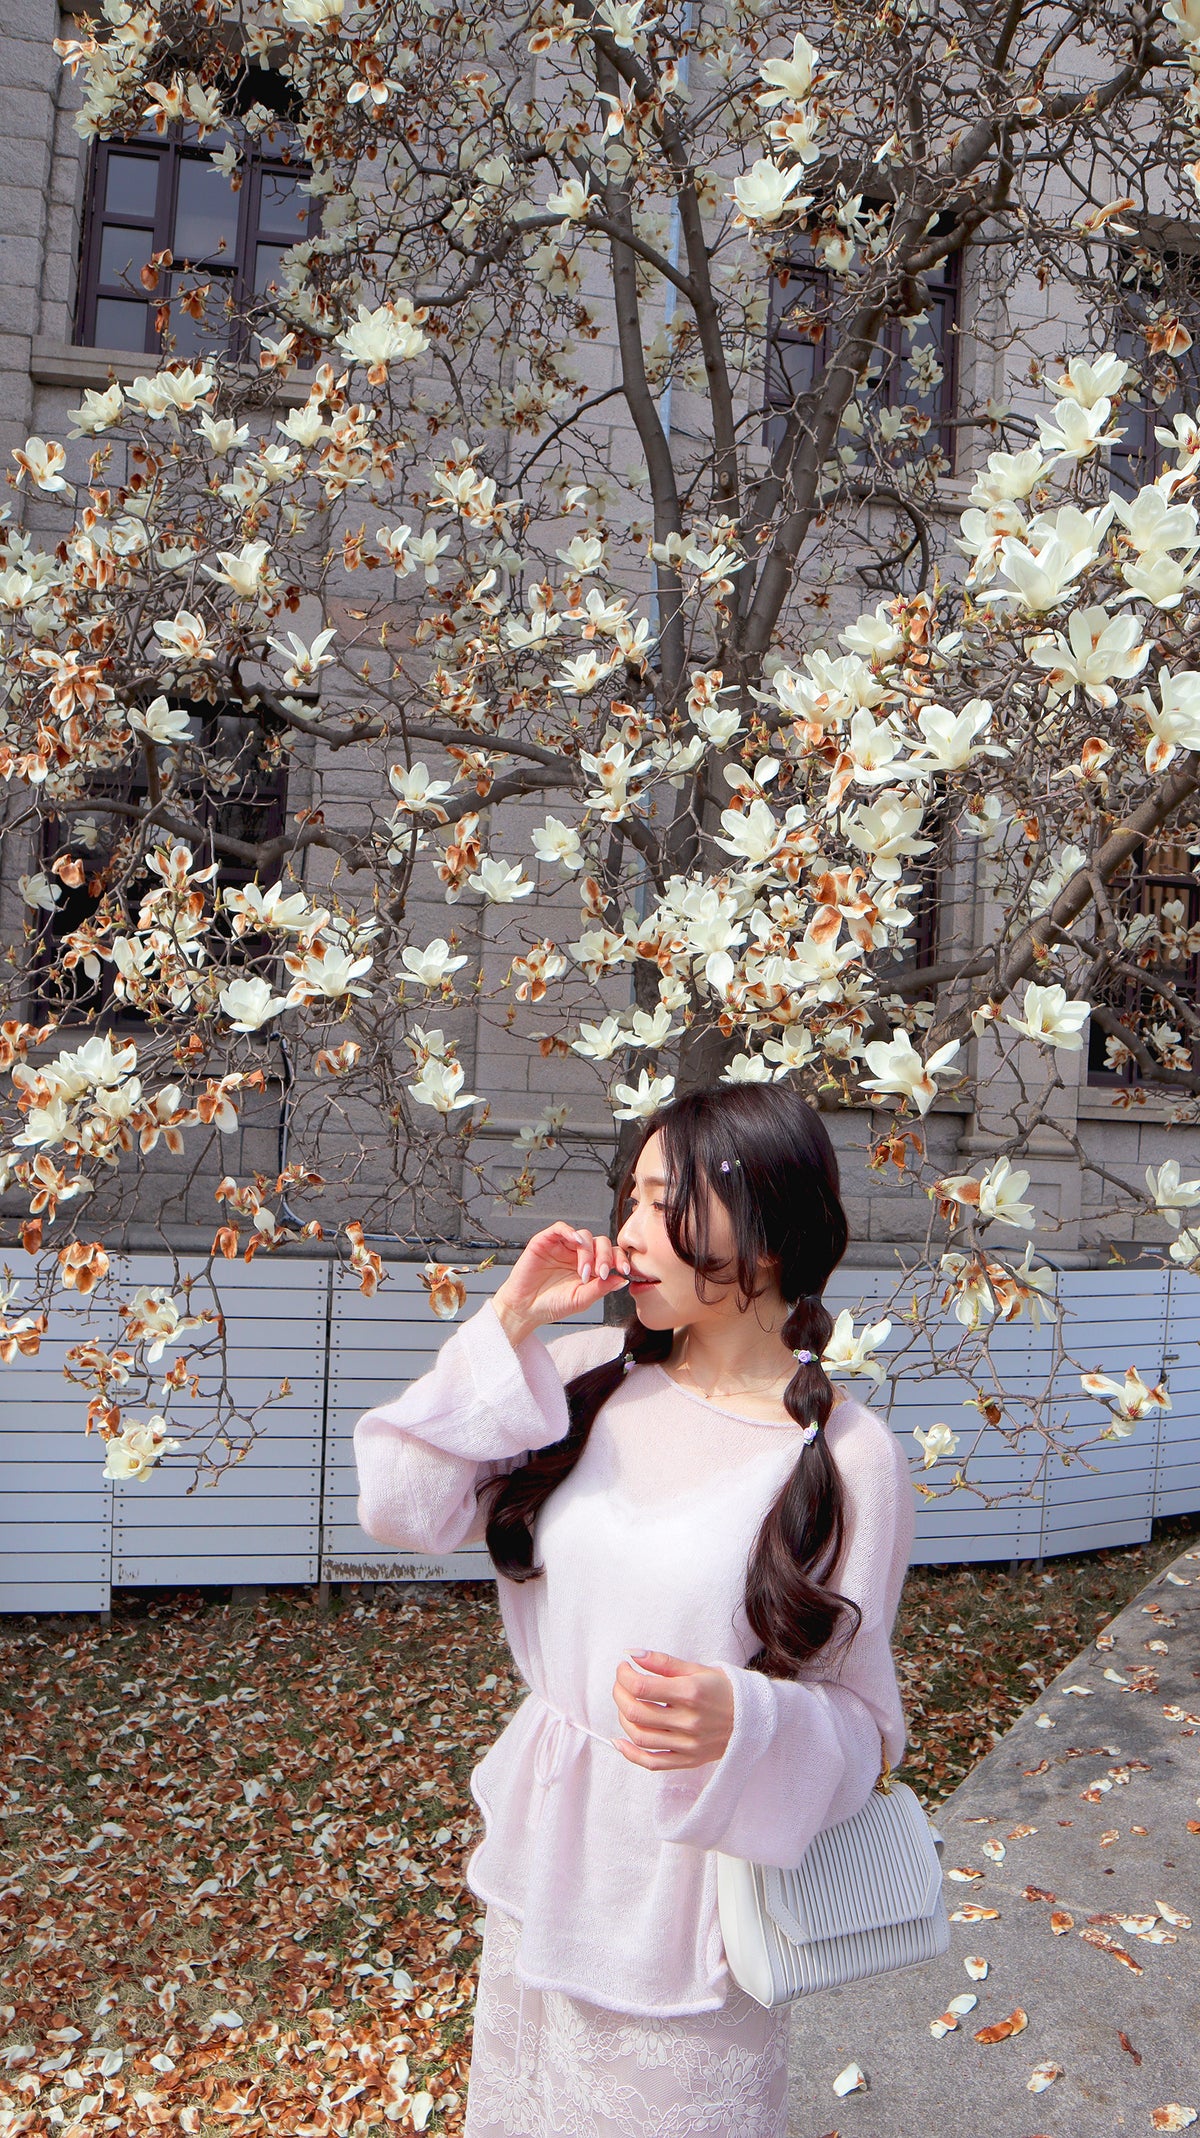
(641, 1284)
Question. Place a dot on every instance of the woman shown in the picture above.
(700, 1552)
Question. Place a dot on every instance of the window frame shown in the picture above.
(943, 288)
(94, 1004)
(1136, 895)
(169, 152)
(1137, 458)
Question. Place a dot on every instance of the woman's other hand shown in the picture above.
(675, 1714)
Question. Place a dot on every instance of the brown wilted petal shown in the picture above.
(1003, 2029)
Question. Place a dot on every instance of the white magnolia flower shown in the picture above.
(1097, 648)
(793, 1049)
(1154, 525)
(243, 570)
(501, 881)
(973, 1301)
(996, 1195)
(643, 1098)
(1047, 1015)
(884, 832)
(98, 1065)
(382, 337)
(304, 661)
(99, 411)
(172, 393)
(584, 554)
(1185, 1248)
(937, 1444)
(185, 638)
(416, 787)
(848, 1354)
(572, 201)
(1039, 579)
(433, 964)
(897, 1067)
(1076, 429)
(599, 1042)
(133, 1452)
(583, 674)
(788, 80)
(439, 1085)
(1000, 1191)
(1044, 892)
(1163, 581)
(224, 435)
(1175, 723)
(327, 975)
(1089, 383)
(38, 891)
(313, 14)
(1133, 1399)
(1009, 477)
(556, 841)
(40, 459)
(153, 1313)
(951, 738)
(765, 193)
(287, 911)
(161, 723)
(249, 1003)
(1172, 1195)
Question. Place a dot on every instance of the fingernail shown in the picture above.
(585, 1272)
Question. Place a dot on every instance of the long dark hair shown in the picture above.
(782, 1195)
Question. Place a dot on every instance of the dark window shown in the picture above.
(241, 794)
(158, 193)
(1167, 280)
(1161, 874)
(805, 300)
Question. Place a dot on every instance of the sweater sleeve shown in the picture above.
(805, 1754)
(481, 1408)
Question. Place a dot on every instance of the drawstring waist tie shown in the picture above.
(548, 1758)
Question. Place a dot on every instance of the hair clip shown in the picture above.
(806, 1358)
(627, 1362)
(725, 1164)
(809, 1434)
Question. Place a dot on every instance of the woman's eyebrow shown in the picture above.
(652, 1180)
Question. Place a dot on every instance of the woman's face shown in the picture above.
(670, 1300)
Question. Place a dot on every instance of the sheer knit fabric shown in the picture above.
(598, 1875)
(544, 2065)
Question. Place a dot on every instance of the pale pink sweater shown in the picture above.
(645, 1545)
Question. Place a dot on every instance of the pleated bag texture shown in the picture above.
(866, 1899)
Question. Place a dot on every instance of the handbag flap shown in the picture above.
(879, 1867)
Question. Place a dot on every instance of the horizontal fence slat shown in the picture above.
(287, 1511)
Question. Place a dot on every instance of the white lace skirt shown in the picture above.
(545, 2065)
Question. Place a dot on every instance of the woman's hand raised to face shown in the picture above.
(675, 1714)
(561, 1271)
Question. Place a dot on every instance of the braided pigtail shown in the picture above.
(787, 1603)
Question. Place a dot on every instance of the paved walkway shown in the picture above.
(1094, 1797)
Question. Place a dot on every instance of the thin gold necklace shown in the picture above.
(710, 1393)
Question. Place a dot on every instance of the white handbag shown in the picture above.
(866, 1898)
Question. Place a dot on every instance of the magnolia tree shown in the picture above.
(495, 517)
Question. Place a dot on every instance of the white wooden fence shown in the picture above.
(286, 1513)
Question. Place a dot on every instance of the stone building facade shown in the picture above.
(44, 366)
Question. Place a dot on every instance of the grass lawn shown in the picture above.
(231, 1893)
